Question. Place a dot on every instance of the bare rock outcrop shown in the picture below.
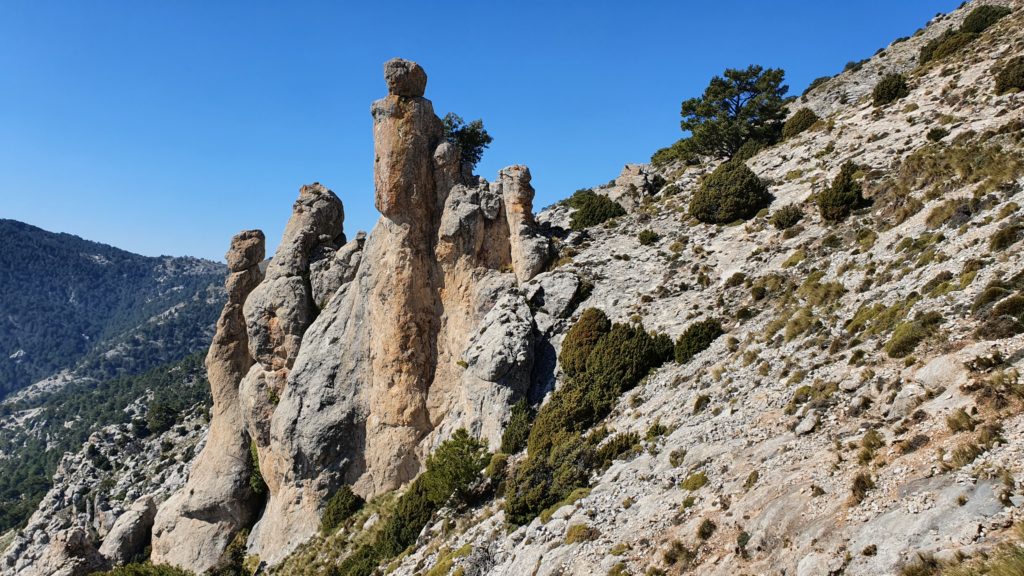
(395, 361)
(349, 362)
(633, 184)
(530, 250)
(130, 533)
(194, 525)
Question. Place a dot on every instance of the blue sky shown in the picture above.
(166, 127)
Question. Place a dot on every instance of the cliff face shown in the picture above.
(197, 522)
(356, 359)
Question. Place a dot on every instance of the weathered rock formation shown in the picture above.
(358, 358)
(633, 184)
(195, 524)
(130, 533)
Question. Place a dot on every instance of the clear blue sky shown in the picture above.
(165, 127)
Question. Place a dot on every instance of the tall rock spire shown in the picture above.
(195, 525)
(365, 356)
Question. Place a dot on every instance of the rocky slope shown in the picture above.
(103, 500)
(862, 406)
(776, 413)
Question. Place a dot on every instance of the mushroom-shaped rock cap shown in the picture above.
(247, 250)
(405, 78)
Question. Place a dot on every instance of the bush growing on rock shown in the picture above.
(340, 508)
(648, 237)
(844, 195)
(952, 40)
(697, 338)
(908, 335)
(801, 120)
(256, 482)
(732, 192)
(450, 472)
(681, 151)
(936, 134)
(1005, 237)
(982, 17)
(890, 88)
(604, 363)
(580, 340)
(786, 217)
(513, 439)
(951, 44)
(820, 81)
(592, 209)
(470, 139)
(1011, 76)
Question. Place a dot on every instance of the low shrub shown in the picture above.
(616, 447)
(786, 217)
(908, 335)
(581, 533)
(694, 481)
(592, 209)
(732, 192)
(681, 151)
(648, 237)
(976, 22)
(697, 338)
(517, 430)
(748, 150)
(862, 484)
(844, 195)
(815, 83)
(960, 421)
(949, 43)
(890, 88)
(801, 120)
(342, 505)
(936, 134)
(1011, 76)
(580, 340)
(1004, 238)
(706, 529)
(982, 17)
(605, 363)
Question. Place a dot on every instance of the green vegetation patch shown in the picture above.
(592, 209)
(732, 192)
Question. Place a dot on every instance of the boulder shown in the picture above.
(130, 533)
(405, 78)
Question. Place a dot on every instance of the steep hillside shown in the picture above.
(71, 303)
(803, 360)
(81, 325)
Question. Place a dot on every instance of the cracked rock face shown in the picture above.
(379, 378)
(195, 524)
(349, 362)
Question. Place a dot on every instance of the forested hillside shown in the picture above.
(65, 301)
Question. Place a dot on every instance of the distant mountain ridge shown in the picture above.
(66, 302)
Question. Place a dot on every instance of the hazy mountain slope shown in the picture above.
(65, 300)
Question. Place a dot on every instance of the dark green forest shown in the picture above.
(65, 300)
